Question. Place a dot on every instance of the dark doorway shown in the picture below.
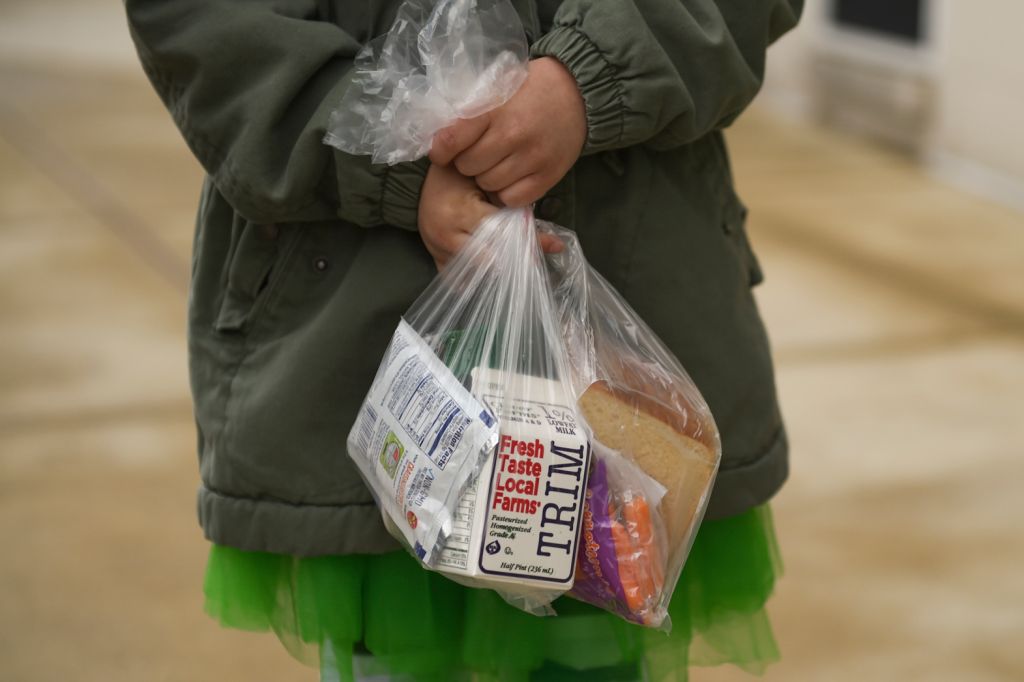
(891, 18)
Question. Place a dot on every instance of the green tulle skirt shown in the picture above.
(402, 622)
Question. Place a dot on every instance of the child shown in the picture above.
(305, 259)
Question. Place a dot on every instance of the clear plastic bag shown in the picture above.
(440, 61)
(469, 437)
(476, 435)
(546, 355)
(656, 445)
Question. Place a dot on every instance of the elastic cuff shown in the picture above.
(376, 194)
(602, 90)
(400, 200)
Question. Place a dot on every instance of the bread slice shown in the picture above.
(666, 443)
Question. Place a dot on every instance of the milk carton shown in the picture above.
(518, 522)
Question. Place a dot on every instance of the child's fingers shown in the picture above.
(493, 198)
(451, 141)
(480, 210)
(549, 243)
(523, 192)
(444, 248)
(503, 174)
(484, 154)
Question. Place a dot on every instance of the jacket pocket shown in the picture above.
(257, 266)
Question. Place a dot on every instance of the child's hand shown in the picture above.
(520, 150)
(451, 206)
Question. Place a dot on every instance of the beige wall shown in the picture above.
(959, 106)
(787, 87)
(980, 123)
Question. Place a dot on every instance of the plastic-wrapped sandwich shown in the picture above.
(677, 452)
(652, 503)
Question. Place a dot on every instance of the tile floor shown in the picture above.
(896, 307)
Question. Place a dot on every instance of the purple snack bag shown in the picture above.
(597, 566)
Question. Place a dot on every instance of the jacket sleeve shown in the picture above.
(664, 72)
(251, 83)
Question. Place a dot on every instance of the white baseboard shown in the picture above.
(976, 178)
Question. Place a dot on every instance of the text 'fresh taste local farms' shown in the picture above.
(517, 488)
(518, 477)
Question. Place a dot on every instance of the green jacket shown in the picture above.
(305, 257)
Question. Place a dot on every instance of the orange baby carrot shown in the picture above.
(638, 520)
(624, 553)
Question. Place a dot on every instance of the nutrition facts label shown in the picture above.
(456, 551)
(417, 441)
(427, 412)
